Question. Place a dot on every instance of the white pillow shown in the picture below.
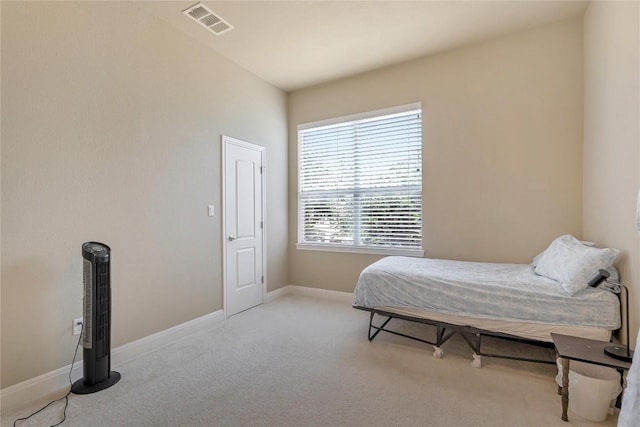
(537, 257)
(571, 263)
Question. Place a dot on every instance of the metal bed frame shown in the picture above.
(445, 330)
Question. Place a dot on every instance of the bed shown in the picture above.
(508, 301)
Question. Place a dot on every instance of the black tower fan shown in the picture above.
(96, 331)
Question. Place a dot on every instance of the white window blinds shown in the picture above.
(360, 181)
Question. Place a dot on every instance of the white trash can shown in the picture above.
(592, 388)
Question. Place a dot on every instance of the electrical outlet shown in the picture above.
(77, 326)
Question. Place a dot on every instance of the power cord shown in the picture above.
(65, 397)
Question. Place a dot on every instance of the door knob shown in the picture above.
(231, 237)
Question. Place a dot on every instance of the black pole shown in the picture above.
(616, 351)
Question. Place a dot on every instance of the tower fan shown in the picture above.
(96, 331)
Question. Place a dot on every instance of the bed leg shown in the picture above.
(477, 361)
(477, 357)
(370, 324)
(377, 328)
(437, 352)
(439, 336)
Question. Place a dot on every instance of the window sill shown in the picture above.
(360, 250)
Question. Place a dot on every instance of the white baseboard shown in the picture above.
(278, 293)
(326, 294)
(49, 385)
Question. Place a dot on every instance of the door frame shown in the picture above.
(225, 142)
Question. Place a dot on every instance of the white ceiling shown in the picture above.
(294, 44)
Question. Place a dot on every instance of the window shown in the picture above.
(360, 183)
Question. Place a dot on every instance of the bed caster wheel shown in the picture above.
(477, 361)
(437, 353)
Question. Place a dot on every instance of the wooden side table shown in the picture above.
(582, 350)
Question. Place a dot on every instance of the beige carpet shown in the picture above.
(307, 362)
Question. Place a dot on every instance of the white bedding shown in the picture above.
(487, 291)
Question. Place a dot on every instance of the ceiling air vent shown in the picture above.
(205, 17)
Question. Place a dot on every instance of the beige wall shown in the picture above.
(111, 127)
(502, 132)
(108, 116)
(612, 136)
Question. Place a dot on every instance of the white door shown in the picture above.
(243, 225)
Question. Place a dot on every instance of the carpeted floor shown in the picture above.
(301, 361)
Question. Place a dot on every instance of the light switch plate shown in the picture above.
(212, 210)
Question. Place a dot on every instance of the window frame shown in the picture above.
(315, 246)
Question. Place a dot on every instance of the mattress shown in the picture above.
(484, 295)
